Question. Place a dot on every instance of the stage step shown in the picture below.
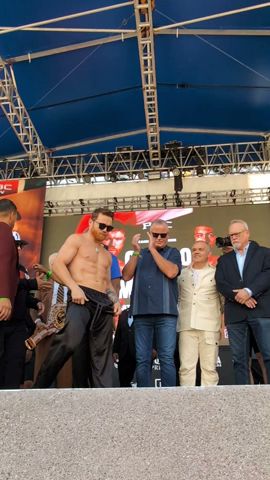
(212, 433)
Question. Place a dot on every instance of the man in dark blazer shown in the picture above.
(124, 349)
(243, 278)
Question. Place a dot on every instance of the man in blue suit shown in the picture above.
(243, 278)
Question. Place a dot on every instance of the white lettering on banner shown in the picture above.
(147, 225)
(185, 256)
(125, 289)
(5, 187)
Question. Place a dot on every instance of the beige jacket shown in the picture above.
(200, 304)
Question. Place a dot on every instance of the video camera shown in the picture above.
(222, 242)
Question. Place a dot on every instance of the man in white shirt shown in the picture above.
(199, 320)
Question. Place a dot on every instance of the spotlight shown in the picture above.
(115, 203)
(199, 198)
(176, 172)
(227, 170)
(82, 202)
(233, 196)
(148, 199)
(164, 199)
(178, 201)
(124, 149)
(141, 175)
(113, 177)
(87, 179)
(178, 182)
(200, 171)
(154, 175)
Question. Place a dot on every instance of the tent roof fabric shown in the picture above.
(205, 82)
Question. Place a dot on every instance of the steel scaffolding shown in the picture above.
(18, 118)
(144, 25)
(147, 202)
(136, 164)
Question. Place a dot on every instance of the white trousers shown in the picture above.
(194, 345)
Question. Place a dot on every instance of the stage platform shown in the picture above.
(214, 433)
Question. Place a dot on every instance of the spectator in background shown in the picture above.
(124, 349)
(56, 294)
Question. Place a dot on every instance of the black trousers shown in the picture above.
(126, 370)
(93, 318)
(12, 353)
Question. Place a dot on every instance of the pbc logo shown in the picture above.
(8, 188)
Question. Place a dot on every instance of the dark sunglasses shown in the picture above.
(103, 226)
(161, 235)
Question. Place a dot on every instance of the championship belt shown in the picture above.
(57, 315)
(56, 321)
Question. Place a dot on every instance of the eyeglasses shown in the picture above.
(161, 235)
(103, 226)
(236, 234)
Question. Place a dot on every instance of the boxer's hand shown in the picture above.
(78, 295)
(117, 309)
(5, 309)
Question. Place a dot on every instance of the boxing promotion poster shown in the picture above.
(28, 195)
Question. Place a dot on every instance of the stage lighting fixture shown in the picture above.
(148, 199)
(82, 202)
(233, 196)
(199, 198)
(178, 182)
(164, 200)
(124, 149)
(176, 172)
(227, 170)
(87, 179)
(154, 175)
(141, 175)
(200, 171)
(178, 201)
(113, 177)
(115, 203)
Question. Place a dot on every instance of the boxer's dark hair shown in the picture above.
(102, 211)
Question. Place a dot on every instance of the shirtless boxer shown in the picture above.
(83, 265)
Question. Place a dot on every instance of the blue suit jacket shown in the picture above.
(256, 276)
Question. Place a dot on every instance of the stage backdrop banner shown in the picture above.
(28, 195)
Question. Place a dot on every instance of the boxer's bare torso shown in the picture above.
(83, 261)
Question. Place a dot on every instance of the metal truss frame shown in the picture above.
(147, 202)
(144, 26)
(21, 123)
(136, 164)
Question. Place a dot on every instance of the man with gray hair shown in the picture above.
(199, 320)
(154, 302)
(243, 278)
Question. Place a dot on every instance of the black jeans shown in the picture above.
(94, 318)
(12, 353)
(240, 346)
